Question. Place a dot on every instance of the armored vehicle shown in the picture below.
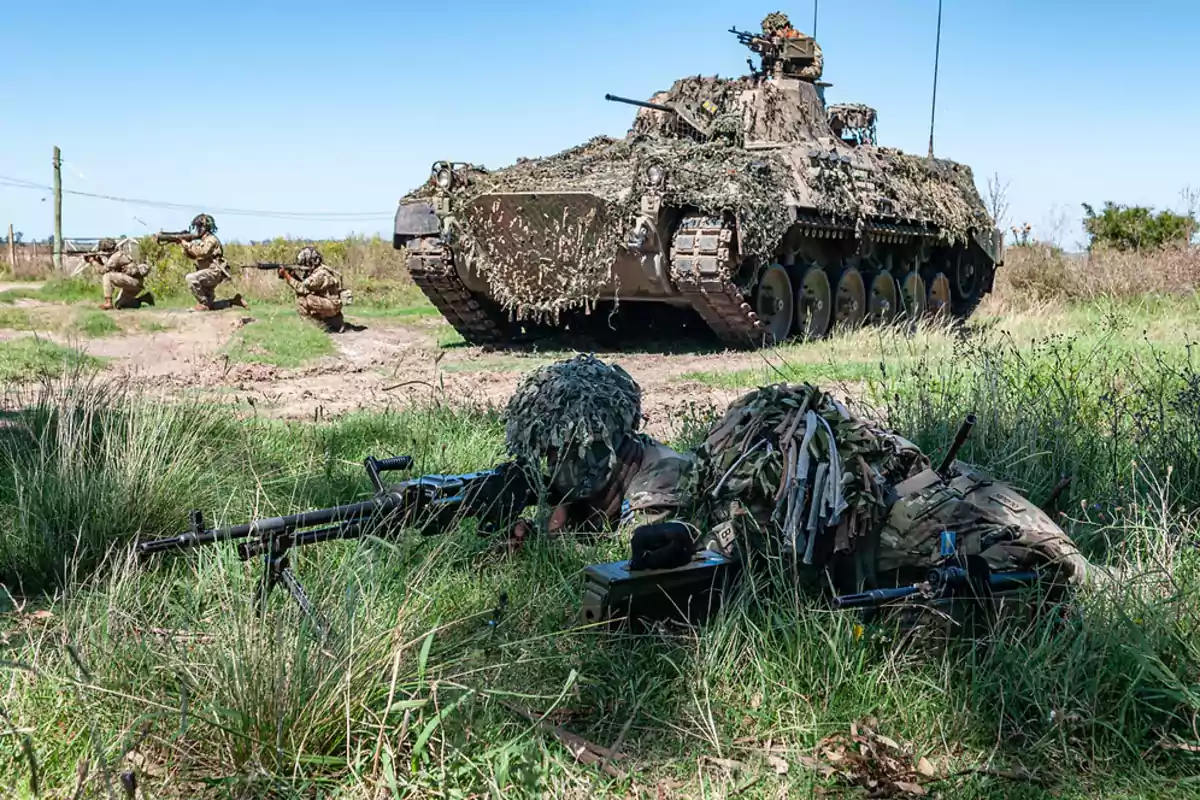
(748, 200)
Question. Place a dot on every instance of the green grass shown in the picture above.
(410, 701)
(30, 358)
(94, 324)
(57, 290)
(16, 319)
(816, 373)
(278, 337)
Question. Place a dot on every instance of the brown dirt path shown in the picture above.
(389, 365)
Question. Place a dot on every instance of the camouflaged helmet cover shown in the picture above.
(107, 245)
(204, 222)
(309, 257)
(580, 408)
(775, 21)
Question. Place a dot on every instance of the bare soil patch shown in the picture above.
(390, 364)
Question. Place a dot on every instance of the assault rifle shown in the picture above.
(432, 503)
(274, 267)
(176, 236)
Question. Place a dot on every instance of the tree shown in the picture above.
(1136, 227)
(997, 199)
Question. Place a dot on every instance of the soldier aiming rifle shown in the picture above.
(318, 288)
(201, 245)
(121, 279)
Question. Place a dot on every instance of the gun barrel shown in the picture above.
(952, 579)
(960, 438)
(354, 512)
(612, 98)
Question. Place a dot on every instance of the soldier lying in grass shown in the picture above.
(788, 473)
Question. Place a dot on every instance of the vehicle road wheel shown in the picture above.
(774, 303)
(884, 301)
(814, 304)
(850, 305)
(966, 278)
(912, 294)
(939, 295)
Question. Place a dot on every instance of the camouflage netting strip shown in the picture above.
(796, 459)
(574, 402)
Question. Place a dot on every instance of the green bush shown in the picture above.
(1136, 227)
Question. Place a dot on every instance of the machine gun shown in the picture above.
(695, 126)
(433, 503)
(779, 55)
(175, 236)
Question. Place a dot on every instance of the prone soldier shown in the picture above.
(788, 475)
(201, 245)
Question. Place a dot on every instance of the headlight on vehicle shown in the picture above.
(444, 177)
(655, 175)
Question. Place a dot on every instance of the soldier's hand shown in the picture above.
(282, 273)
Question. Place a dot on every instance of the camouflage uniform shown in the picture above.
(776, 25)
(319, 292)
(212, 269)
(787, 474)
(121, 276)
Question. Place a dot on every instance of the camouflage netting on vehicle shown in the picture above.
(544, 232)
(789, 466)
(940, 194)
(715, 180)
(572, 403)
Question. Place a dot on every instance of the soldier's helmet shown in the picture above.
(309, 257)
(107, 245)
(775, 21)
(204, 222)
(574, 415)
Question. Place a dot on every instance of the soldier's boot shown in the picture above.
(107, 304)
(238, 301)
(144, 299)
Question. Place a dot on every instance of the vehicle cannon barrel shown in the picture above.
(612, 98)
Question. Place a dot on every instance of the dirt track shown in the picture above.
(389, 364)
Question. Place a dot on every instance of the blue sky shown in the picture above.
(316, 107)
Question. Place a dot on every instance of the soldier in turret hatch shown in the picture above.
(778, 28)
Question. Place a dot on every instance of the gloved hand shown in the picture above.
(661, 545)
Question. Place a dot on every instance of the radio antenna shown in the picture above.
(937, 54)
(816, 5)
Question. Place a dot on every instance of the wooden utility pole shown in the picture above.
(57, 209)
(12, 251)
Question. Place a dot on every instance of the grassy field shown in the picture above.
(165, 668)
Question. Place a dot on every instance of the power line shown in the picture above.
(310, 216)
